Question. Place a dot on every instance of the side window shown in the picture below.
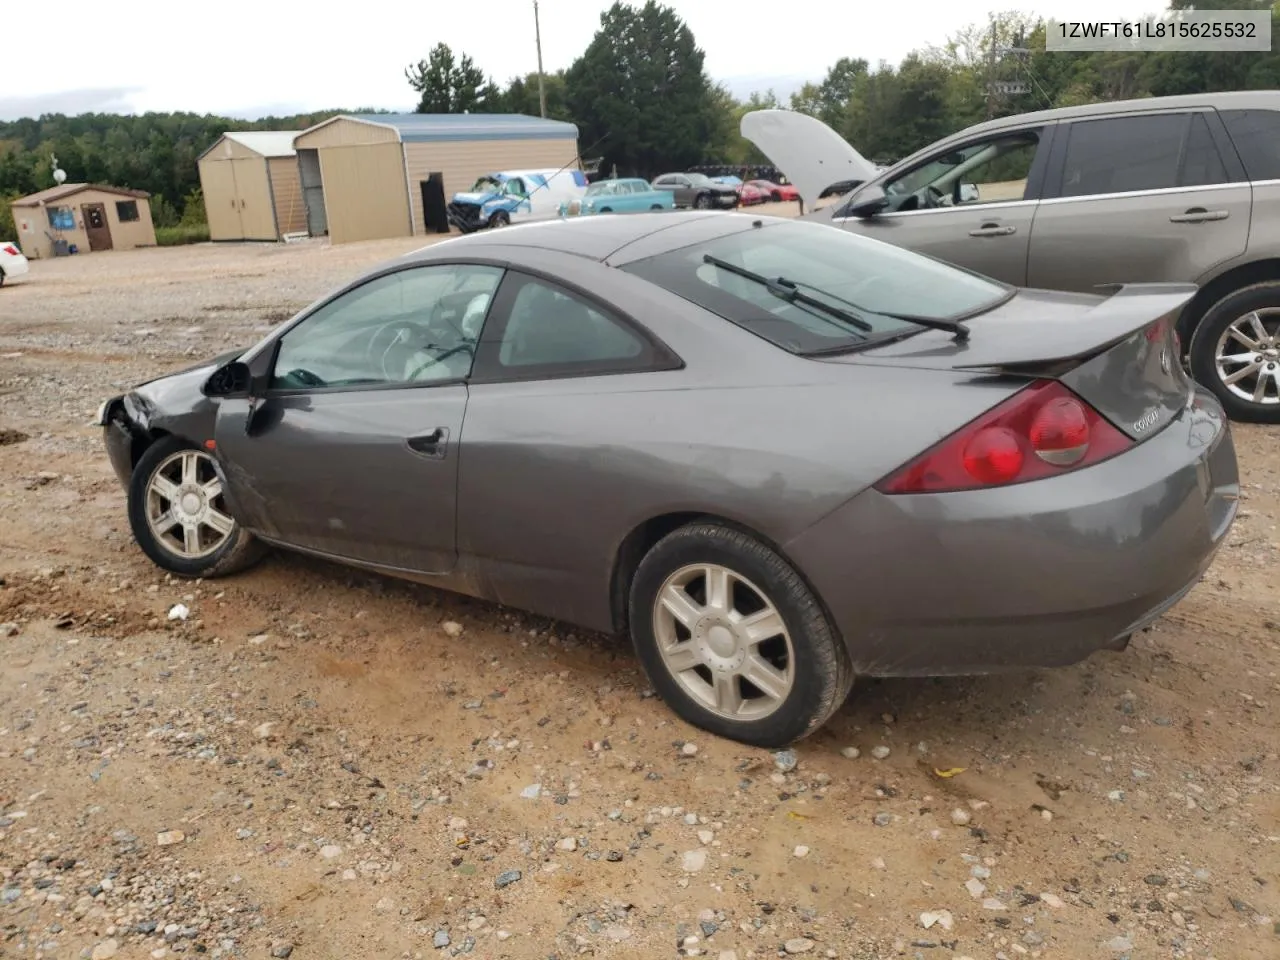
(418, 325)
(552, 331)
(515, 187)
(1201, 163)
(1151, 152)
(988, 171)
(1256, 134)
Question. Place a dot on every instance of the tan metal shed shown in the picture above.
(251, 186)
(369, 176)
(86, 216)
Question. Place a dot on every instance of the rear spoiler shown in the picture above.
(1129, 309)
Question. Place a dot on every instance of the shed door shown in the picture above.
(253, 188)
(365, 192)
(221, 205)
(312, 192)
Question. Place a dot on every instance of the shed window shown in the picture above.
(61, 218)
(127, 211)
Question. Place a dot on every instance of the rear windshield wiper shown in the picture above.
(784, 289)
(789, 290)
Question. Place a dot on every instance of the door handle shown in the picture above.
(993, 230)
(431, 444)
(1199, 215)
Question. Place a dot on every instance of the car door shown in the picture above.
(353, 450)
(971, 204)
(682, 188)
(536, 473)
(1139, 197)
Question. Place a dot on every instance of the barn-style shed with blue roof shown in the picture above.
(370, 176)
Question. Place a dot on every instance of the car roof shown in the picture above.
(1230, 100)
(598, 238)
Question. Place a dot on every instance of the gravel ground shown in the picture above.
(322, 764)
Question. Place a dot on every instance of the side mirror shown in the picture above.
(868, 202)
(233, 379)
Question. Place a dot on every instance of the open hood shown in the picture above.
(806, 150)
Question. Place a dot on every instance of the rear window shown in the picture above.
(867, 278)
(1256, 134)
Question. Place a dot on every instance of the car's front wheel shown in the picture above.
(499, 220)
(701, 202)
(178, 513)
(732, 638)
(1235, 352)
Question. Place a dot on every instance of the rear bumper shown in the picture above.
(1037, 575)
(14, 267)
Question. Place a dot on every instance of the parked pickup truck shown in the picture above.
(630, 195)
(511, 196)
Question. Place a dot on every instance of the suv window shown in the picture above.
(551, 330)
(1152, 152)
(418, 325)
(1256, 134)
(985, 172)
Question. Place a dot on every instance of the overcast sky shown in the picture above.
(254, 57)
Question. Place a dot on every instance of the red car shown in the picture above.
(775, 191)
(750, 194)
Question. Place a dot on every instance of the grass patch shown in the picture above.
(176, 236)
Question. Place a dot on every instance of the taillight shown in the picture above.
(10, 249)
(1043, 430)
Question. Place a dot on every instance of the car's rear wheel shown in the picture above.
(733, 639)
(1235, 352)
(179, 516)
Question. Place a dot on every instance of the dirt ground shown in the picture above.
(324, 764)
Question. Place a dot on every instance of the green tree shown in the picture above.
(640, 91)
(449, 84)
(521, 96)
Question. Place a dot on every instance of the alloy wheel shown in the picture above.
(1247, 357)
(724, 642)
(185, 508)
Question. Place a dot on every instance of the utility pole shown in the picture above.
(537, 35)
(991, 72)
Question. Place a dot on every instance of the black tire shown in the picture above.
(499, 219)
(776, 197)
(606, 209)
(1, 276)
(701, 202)
(238, 552)
(656, 206)
(823, 674)
(1202, 350)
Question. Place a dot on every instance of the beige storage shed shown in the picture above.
(84, 216)
(251, 188)
(369, 176)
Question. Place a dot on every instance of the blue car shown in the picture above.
(629, 195)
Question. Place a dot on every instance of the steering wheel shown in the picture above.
(452, 351)
(935, 196)
(304, 377)
(392, 345)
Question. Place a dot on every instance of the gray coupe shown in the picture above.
(777, 455)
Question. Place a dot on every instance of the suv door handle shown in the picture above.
(431, 444)
(1199, 215)
(993, 230)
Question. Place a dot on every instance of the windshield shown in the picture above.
(604, 187)
(867, 278)
(487, 185)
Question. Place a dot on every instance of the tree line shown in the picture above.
(643, 102)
